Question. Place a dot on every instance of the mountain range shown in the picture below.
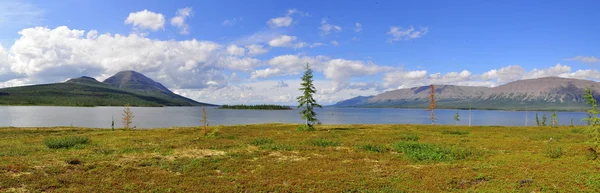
(126, 87)
(549, 93)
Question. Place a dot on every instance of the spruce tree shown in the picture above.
(544, 119)
(306, 102)
(537, 119)
(457, 117)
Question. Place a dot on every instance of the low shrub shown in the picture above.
(324, 143)
(277, 147)
(374, 148)
(447, 132)
(262, 141)
(65, 142)
(416, 151)
(410, 137)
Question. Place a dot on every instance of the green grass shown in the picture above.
(278, 158)
(65, 142)
(455, 132)
(416, 151)
(324, 143)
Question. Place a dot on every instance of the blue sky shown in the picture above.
(399, 44)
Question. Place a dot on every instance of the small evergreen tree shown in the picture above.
(544, 119)
(306, 102)
(537, 119)
(554, 119)
(457, 117)
(112, 123)
(593, 121)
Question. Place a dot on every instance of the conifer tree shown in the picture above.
(537, 119)
(306, 102)
(457, 117)
(127, 117)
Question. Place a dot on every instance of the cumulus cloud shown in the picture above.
(586, 59)
(51, 55)
(255, 49)
(146, 20)
(327, 28)
(357, 27)
(284, 21)
(556, 70)
(286, 41)
(235, 50)
(398, 33)
(280, 22)
(179, 20)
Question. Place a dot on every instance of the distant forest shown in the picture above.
(257, 107)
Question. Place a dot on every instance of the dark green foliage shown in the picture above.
(306, 102)
(374, 148)
(257, 107)
(553, 151)
(324, 143)
(544, 119)
(262, 141)
(410, 137)
(592, 113)
(277, 147)
(416, 151)
(455, 132)
(457, 117)
(537, 119)
(554, 120)
(65, 142)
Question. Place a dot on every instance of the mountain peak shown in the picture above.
(134, 80)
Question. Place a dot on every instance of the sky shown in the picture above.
(254, 52)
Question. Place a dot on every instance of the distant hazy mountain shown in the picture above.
(550, 93)
(127, 87)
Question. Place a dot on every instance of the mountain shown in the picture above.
(127, 87)
(549, 93)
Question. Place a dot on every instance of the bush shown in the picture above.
(553, 152)
(65, 142)
(410, 137)
(324, 143)
(416, 151)
(262, 141)
(277, 147)
(455, 132)
(374, 148)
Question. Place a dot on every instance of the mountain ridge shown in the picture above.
(126, 87)
(547, 93)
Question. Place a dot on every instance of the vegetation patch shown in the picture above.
(65, 142)
(417, 151)
(374, 148)
(262, 141)
(455, 132)
(409, 137)
(277, 147)
(324, 143)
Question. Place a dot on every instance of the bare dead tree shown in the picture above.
(127, 117)
(432, 104)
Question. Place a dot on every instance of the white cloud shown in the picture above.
(357, 27)
(240, 64)
(255, 49)
(280, 22)
(504, 75)
(286, 41)
(146, 20)
(179, 20)
(327, 28)
(586, 59)
(335, 43)
(556, 70)
(235, 50)
(340, 71)
(398, 34)
(264, 73)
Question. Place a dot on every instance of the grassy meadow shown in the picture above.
(277, 158)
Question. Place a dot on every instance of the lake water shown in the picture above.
(157, 117)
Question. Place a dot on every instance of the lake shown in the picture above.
(158, 117)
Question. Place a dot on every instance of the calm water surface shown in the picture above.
(157, 117)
